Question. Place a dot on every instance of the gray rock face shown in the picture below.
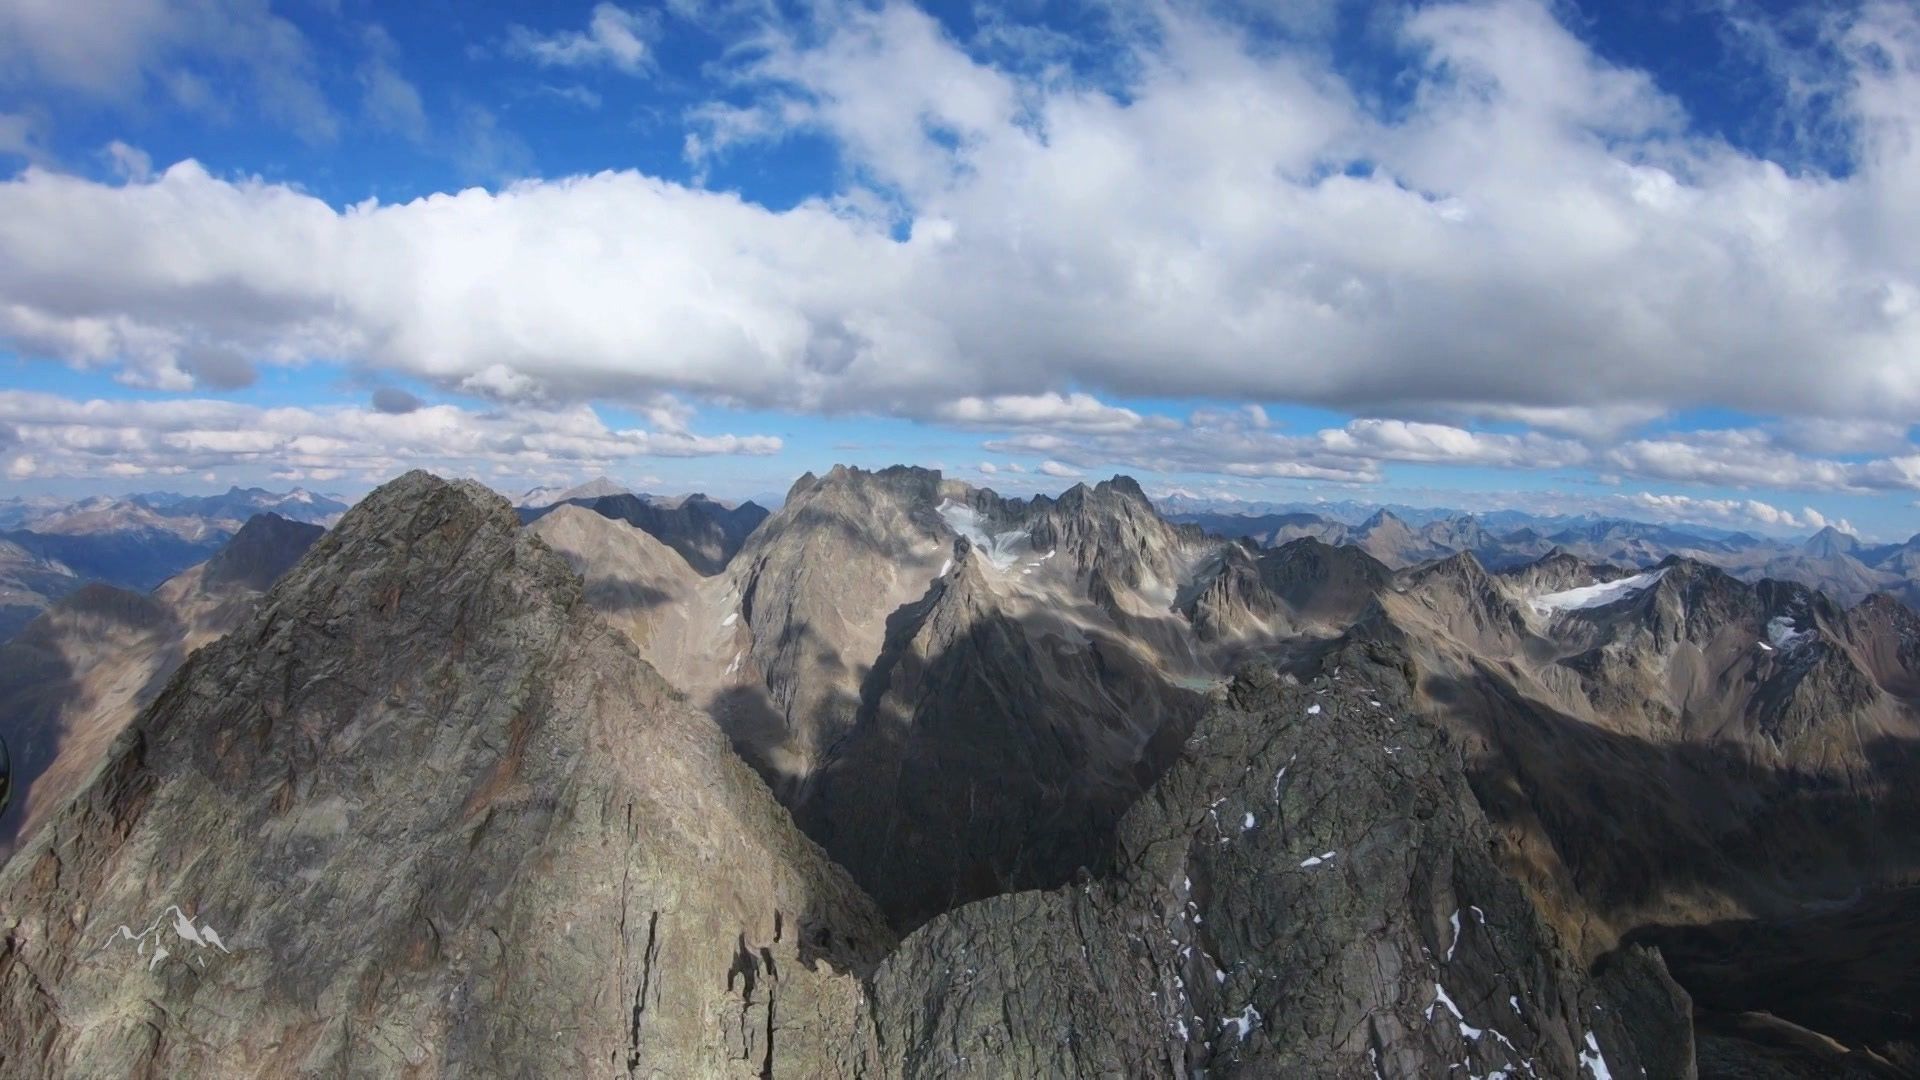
(426, 808)
(986, 757)
(424, 813)
(1301, 587)
(962, 692)
(705, 533)
(1309, 891)
(77, 675)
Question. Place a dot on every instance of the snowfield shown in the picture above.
(1594, 596)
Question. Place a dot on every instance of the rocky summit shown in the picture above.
(913, 779)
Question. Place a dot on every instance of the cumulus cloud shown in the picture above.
(1540, 231)
(1057, 469)
(614, 37)
(1734, 512)
(1753, 457)
(1243, 442)
(60, 437)
(1061, 412)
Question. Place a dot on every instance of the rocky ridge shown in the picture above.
(424, 813)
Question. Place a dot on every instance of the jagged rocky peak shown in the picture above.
(1383, 519)
(906, 645)
(264, 548)
(906, 481)
(636, 582)
(706, 533)
(1559, 570)
(1306, 833)
(1461, 568)
(1694, 600)
(1460, 532)
(419, 813)
(1458, 578)
(1830, 542)
(1886, 635)
(871, 510)
(1303, 586)
(73, 681)
(1111, 533)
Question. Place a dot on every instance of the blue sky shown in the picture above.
(1660, 260)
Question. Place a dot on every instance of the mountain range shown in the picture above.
(50, 549)
(1835, 562)
(909, 778)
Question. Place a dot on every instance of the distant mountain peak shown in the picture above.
(1829, 542)
(264, 549)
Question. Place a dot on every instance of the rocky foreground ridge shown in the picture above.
(430, 809)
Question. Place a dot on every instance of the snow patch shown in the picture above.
(1594, 1060)
(996, 548)
(1242, 1025)
(1454, 919)
(1314, 709)
(1281, 775)
(1783, 634)
(1594, 596)
(1312, 861)
(730, 620)
(1247, 822)
(1467, 1031)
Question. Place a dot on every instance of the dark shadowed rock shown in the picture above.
(1309, 891)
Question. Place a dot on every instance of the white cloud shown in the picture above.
(1539, 234)
(1730, 512)
(1062, 471)
(1752, 457)
(134, 51)
(573, 93)
(1822, 435)
(614, 37)
(23, 134)
(1594, 423)
(1059, 412)
(127, 162)
(389, 99)
(1241, 442)
(60, 437)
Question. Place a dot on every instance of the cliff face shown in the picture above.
(424, 812)
(426, 808)
(1308, 891)
(77, 675)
